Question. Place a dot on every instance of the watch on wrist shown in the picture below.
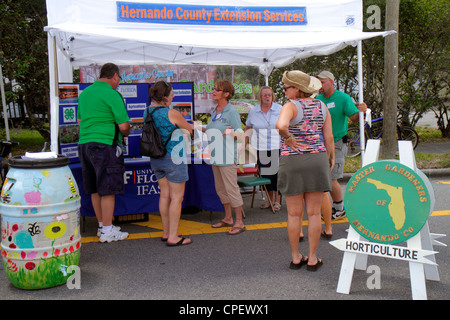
(289, 138)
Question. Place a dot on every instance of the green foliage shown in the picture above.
(29, 141)
(23, 48)
(423, 63)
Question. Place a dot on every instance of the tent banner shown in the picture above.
(245, 81)
(209, 15)
(300, 15)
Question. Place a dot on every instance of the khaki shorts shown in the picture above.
(340, 152)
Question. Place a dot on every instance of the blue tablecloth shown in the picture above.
(142, 190)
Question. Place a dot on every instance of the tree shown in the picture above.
(423, 63)
(23, 44)
(424, 85)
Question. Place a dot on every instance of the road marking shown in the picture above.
(187, 227)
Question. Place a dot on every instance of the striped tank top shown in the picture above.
(306, 127)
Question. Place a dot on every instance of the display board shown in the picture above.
(136, 99)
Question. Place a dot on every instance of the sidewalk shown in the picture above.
(431, 147)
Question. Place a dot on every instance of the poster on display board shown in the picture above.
(246, 81)
(136, 100)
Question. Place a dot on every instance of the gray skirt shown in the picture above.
(302, 173)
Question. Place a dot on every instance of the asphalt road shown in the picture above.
(219, 270)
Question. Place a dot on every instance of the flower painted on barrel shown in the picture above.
(30, 265)
(33, 197)
(55, 230)
(12, 266)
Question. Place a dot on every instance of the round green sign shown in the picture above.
(387, 202)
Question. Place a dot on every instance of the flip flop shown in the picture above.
(240, 230)
(165, 239)
(296, 266)
(179, 243)
(265, 206)
(325, 235)
(221, 224)
(316, 266)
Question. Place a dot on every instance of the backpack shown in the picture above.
(151, 142)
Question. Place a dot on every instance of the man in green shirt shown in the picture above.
(103, 120)
(341, 107)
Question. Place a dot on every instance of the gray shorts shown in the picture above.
(340, 152)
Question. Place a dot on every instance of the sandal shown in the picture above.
(165, 239)
(179, 243)
(276, 206)
(239, 230)
(325, 235)
(222, 224)
(265, 206)
(316, 266)
(296, 266)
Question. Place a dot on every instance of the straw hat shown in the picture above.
(302, 81)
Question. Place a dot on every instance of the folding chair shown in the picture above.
(254, 182)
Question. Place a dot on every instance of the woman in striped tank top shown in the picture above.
(307, 156)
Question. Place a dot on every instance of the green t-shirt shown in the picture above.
(100, 107)
(341, 107)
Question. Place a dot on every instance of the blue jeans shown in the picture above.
(165, 167)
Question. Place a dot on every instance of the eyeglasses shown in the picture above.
(267, 95)
(285, 88)
(217, 89)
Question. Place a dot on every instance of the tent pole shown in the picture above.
(54, 99)
(361, 99)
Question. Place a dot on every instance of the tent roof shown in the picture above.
(92, 32)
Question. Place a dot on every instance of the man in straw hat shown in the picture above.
(341, 107)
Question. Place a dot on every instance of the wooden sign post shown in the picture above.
(388, 202)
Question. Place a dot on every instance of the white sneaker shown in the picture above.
(99, 230)
(338, 214)
(114, 235)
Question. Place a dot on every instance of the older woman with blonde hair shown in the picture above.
(305, 161)
(260, 127)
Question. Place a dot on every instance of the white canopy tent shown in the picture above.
(262, 33)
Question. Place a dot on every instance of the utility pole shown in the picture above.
(391, 81)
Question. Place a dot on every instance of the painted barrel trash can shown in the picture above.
(40, 222)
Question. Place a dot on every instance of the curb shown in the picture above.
(430, 173)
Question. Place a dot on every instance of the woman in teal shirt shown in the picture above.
(170, 173)
(223, 131)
